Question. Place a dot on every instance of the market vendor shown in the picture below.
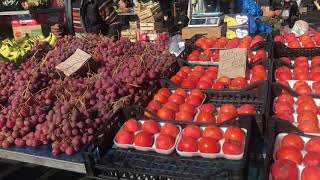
(89, 16)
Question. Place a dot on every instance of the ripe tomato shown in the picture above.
(304, 98)
(247, 109)
(307, 106)
(256, 40)
(187, 108)
(165, 114)
(182, 74)
(184, 116)
(287, 98)
(151, 126)
(284, 169)
(292, 140)
(176, 99)
(309, 127)
(310, 173)
(299, 70)
(187, 83)
(170, 129)
(225, 80)
(311, 159)
(132, 125)
(212, 132)
(164, 142)
(303, 89)
(238, 83)
(193, 57)
(197, 73)
(315, 61)
(180, 92)
(154, 105)
(307, 116)
(192, 131)
(194, 100)
(172, 106)
(124, 137)
(299, 83)
(143, 139)
(208, 145)
(165, 92)
(224, 117)
(279, 38)
(160, 98)
(313, 145)
(186, 69)
(289, 152)
(199, 69)
(228, 109)
(188, 144)
(234, 133)
(210, 75)
(283, 108)
(283, 73)
(294, 44)
(206, 79)
(197, 92)
(232, 148)
(176, 79)
(205, 118)
(301, 62)
(218, 86)
(207, 108)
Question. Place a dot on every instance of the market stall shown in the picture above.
(228, 96)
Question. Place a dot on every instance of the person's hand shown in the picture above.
(57, 30)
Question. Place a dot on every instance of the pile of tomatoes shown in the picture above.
(211, 141)
(304, 78)
(306, 41)
(301, 111)
(182, 105)
(148, 135)
(202, 78)
(213, 42)
(296, 157)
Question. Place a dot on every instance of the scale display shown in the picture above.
(204, 21)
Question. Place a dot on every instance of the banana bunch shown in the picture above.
(14, 49)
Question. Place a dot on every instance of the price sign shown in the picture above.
(74, 62)
(232, 63)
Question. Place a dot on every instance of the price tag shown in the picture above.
(74, 62)
(232, 63)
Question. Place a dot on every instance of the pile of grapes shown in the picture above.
(39, 105)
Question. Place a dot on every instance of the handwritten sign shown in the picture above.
(232, 63)
(74, 62)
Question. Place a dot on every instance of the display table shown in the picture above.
(42, 156)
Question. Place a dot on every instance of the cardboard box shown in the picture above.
(22, 27)
(236, 19)
(219, 31)
(239, 31)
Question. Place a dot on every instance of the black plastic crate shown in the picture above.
(267, 63)
(281, 50)
(106, 162)
(277, 126)
(190, 46)
(276, 89)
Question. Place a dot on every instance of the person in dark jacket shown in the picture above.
(89, 16)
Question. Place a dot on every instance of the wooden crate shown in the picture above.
(150, 26)
(129, 32)
(149, 11)
(155, 18)
(133, 25)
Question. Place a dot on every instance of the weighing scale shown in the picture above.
(204, 13)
